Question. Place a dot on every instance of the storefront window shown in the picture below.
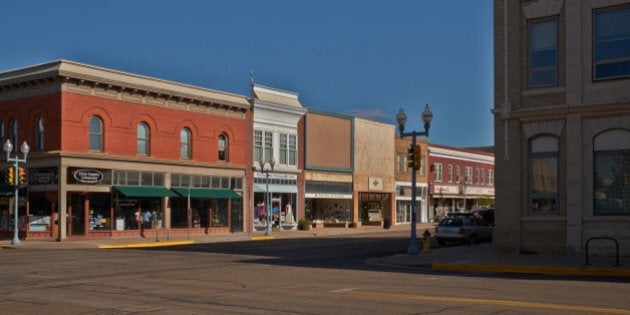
(612, 173)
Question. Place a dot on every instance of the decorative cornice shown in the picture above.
(77, 74)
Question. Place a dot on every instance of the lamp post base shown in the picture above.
(15, 241)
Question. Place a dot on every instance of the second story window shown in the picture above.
(223, 147)
(96, 134)
(258, 143)
(185, 140)
(438, 172)
(143, 138)
(13, 133)
(39, 133)
(450, 173)
(611, 43)
(491, 177)
(458, 174)
(543, 52)
(469, 175)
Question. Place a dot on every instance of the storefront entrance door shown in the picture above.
(76, 214)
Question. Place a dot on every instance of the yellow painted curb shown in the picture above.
(141, 245)
(262, 238)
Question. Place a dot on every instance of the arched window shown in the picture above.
(543, 175)
(223, 147)
(611, 163)
(184, 136)
(39, 133)
(143, 139)
(96, 134)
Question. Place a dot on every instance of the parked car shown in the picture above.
(463, 229)
(486, 214)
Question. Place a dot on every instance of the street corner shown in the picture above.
(146, 245)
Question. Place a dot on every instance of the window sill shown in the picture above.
(543, 91)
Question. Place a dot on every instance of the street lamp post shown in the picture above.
(401, 118)
(8, 147)
(268, 211)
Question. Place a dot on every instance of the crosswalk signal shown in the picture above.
(410, 157)
(416, 157)
(10, 176)
(21, 176)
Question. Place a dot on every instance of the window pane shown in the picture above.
(268, 146)
(185, 143)
(543, 55)
(257, 145)
(143, 139)
(96, 134)
(292, 149)
(611, 191)
(283, 149)
(544, 175)
(612, 43)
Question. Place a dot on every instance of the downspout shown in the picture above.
(505, 107)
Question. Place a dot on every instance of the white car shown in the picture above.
(463, 229)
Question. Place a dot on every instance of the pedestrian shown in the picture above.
(147, 219)
(138, 216)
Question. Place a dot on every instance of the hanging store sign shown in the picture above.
(44, 176)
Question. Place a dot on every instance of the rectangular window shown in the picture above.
(268, 144)
(450, 173)
(283, 149)
(399, 165)
(423, 168)
(611, 38)
(438, 172)
(491, 177)
(543, 52)
(483, 176)
(469, 175)
(293, 150)
(611, 157)
(543, 172)
(458, 174)
(257, 145)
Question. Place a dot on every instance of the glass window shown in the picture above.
(611, 52)
(292, 150)
(258, 143)
(223, 147)
(39, 133)
(283, 149)
(96, 134)
(469, 175)
(458, 174)
(450, 173)
(543, 172)
(2, 130)
(185, 143)
(611, 191)
(143, 139)
(543, 52)
(268, 146)
(490, 177)
(438, 172)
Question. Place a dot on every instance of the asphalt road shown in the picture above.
(327, 275)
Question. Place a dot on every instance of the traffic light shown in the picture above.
(410, 157)
(416, 157)
(10, 176)
(21, 176)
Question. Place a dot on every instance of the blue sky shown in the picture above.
(359, 57)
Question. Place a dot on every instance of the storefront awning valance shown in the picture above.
(207, 193)
(144, 191)
(275, 188)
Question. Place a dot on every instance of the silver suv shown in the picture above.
(463, 229)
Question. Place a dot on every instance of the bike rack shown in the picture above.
(603, 238)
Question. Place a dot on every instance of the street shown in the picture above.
(327, 275)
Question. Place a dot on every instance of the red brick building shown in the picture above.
(460, 179)
(109, 148)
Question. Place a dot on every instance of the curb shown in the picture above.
(551, 270)
(143, 245)
(262, 238)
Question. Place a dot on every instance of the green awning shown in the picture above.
(207, 193)
(144, 191)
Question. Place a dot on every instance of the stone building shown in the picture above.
(562, 125)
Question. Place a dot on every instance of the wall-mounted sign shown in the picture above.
(87, 176)
(44, 176)
(375, 183)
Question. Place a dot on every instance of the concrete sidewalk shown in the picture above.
(476, 258)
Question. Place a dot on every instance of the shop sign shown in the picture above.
(44, 176)
(87, 176)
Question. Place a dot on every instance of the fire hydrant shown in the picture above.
(426, 242)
